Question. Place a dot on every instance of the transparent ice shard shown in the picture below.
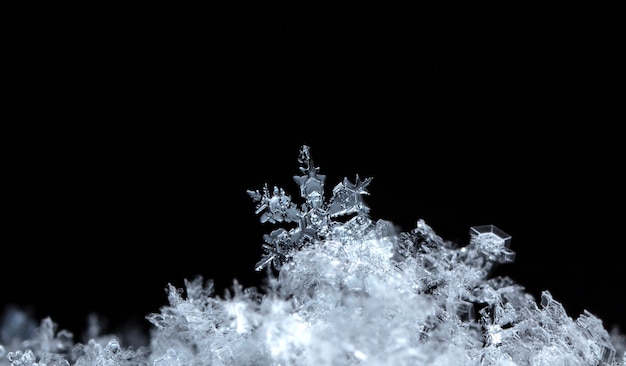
(553, 308)
(488, 247)
(492, 242)
(348, 198)
(275, 207)
(595, 333)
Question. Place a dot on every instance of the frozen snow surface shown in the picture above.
(343, 289)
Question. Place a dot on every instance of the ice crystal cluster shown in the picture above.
(344, 289)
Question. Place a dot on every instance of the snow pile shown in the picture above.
(344, 289)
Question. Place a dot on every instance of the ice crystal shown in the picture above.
(345, 290)
(313, 217)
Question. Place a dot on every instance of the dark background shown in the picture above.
(132, 142)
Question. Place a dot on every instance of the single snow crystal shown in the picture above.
(492, 242)
(314, 218)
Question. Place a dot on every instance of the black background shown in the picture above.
(132, 142)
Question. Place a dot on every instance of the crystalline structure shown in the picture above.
(492, 242)
(313, 217)
(489, 246)
(346, 290)
(446, 286)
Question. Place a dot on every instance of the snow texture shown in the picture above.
(343, 289)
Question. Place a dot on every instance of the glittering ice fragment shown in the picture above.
(311, 183)
(485, 294)
(492, 242)
(26, 358)
(463, 309)
(420, 240)
(347, 197)
(492, 233)
(592, 327)
(553, 308)
(276, 207)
